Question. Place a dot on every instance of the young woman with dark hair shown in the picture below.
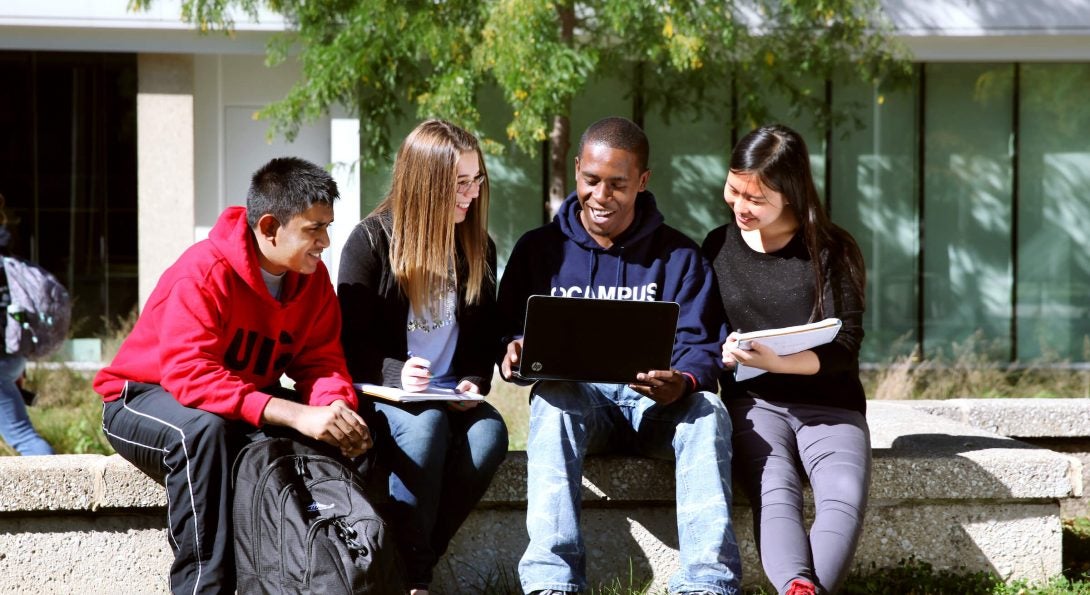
(782, 262)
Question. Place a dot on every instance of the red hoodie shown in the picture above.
(212, 335)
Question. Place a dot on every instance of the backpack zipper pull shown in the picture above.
(348, 536)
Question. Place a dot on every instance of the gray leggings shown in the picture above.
(773, 444)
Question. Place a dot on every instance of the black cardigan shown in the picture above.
(374, 312)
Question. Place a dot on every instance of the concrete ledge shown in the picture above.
(1017, 418)
(942, 491)
(1060, 425)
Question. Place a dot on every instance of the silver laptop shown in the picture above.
(594, 340)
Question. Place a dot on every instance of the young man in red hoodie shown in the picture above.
(198, 374)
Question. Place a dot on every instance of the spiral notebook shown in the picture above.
(787, 340)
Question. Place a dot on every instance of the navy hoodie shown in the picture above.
(649, 261)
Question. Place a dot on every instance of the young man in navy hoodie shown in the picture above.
(200, 371)
(609, 239)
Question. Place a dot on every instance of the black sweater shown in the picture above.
(761, 291)
(375, 313)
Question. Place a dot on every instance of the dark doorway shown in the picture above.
(68, 174)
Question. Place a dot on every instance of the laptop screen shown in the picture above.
(595, 340)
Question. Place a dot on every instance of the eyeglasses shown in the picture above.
(463, 185)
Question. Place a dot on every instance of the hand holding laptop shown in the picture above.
(510, 365)
(662, 386)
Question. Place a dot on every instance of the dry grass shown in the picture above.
(115, 334)
(971, 370)
(513, 403)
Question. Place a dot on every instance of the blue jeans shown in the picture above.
(440, 463)
(571, 420)
(14, 422)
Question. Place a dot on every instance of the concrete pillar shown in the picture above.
(164, 163)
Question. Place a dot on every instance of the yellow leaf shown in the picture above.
(668, 28)
(769, 58)
(881, 99)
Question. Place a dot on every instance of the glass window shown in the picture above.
(968, 131)
(514, 179)
(1053, 210)
(873, 192)
(688, 170)
(782, 111)
(68, 173)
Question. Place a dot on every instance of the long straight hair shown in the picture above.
(777, 155)
(421, 203)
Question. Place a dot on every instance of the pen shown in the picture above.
(412, 355)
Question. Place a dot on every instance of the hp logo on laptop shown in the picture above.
(536, 366)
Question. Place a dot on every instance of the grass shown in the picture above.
(68, 413)
(513, 403)
(909, 577)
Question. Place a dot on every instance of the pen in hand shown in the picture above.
(415, 375)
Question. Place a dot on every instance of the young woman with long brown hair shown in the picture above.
(417, 288)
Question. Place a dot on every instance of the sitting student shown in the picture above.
(781, 262)
(417, 287)
(610, 237)
(195, 376)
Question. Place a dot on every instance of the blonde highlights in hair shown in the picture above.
(424, 236)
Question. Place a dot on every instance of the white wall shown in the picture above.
(230, 143)
(992, 30)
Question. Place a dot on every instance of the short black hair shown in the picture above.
(286, 187)
(618, 133)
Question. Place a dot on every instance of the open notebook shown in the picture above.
(403, 396)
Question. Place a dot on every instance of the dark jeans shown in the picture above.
(440, 464)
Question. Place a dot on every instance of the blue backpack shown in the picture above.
(39, 310)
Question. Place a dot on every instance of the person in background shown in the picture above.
(779, 263)
(417, 287)
(15, 426)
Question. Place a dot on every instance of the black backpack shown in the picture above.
(303, 524)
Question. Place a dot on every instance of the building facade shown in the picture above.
(123, 135)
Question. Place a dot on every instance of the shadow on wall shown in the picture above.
(958, 502)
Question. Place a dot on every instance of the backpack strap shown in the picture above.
(5, 299)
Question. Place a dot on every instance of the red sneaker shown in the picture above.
(801, 587)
